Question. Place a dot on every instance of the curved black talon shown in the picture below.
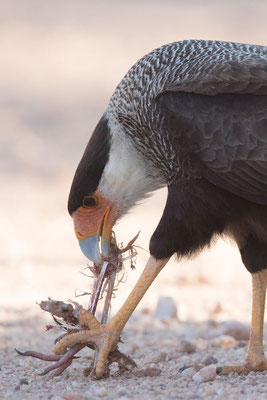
(60, 337)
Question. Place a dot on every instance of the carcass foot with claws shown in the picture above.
(86, 333)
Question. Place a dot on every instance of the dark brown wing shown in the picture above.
(226, 133)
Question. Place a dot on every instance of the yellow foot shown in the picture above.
(244, 368)
(104, 337)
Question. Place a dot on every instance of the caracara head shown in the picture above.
(111, 177)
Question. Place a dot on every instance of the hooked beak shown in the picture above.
(90, 248)
(95, 247)
(95, 240)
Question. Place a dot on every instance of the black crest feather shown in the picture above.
(91, 166)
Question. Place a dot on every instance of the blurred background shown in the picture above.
(60, 62)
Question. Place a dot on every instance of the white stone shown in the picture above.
(166, 308)
(206, 374)
(188, 372)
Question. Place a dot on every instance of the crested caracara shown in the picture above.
(192, 116)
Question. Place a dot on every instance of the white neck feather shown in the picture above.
(127, 177)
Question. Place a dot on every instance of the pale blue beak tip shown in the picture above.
(90, 248)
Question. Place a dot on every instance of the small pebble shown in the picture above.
(122, 392)
(160, 357)
(174, 356)
(188, 372)
(197, 366)
(102, 392)
(209, 360)
(186, 360)
(186, 347)
(237, 330)
(152, 371)
(223, 341)
(210, 392)
(23, 381)
(166, 308)
(73, 396)
(202, 344)
(206, 374)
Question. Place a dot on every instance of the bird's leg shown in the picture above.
(255, 360)
(107, 336)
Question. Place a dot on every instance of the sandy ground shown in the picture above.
(209, 292)
(54, 85)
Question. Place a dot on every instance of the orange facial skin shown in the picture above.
(88, 221)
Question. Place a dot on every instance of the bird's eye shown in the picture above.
(89, 201)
